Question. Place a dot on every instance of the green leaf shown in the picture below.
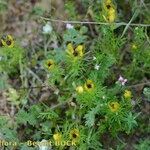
(90, 117)
(22, 117)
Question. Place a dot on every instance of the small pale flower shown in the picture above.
(47, 28)
(122, 80)
(69, 26)
(133, 103)
(72, 104)
(97, 67)
(103, 97)
(94, 58)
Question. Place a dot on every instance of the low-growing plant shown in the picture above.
(87, 86)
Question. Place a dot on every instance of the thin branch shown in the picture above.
(35, 75)
(96, 23)
(142, 2)
(129, 23)
(148, 40)
(139, 84)
(34, 87)
(58, 105)
(130, 86)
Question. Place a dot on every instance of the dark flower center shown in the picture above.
(108, 6)
(75, 53)
(89, 86)
(8, 42)
(74, 135)
(49, 64)
(112, 105)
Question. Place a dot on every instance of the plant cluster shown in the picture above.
(87, 99)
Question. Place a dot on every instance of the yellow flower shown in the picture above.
(110, 11)
(111, 18)
(8, 41)
(74, 134)
(108, 4)
(50, 64)
(77, 52)
(127, 94)
(79, 48)
(134, 46)
(89, 85)
(57, 137)
(114, 106)
(111, 15)
(108, 1)
(79, 89)
(70, 49)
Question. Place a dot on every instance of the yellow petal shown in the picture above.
(79, 89)
(79, 48)
(57, 137)
(70, 48)
(111, 18)
(3, 42)
(111, 11)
